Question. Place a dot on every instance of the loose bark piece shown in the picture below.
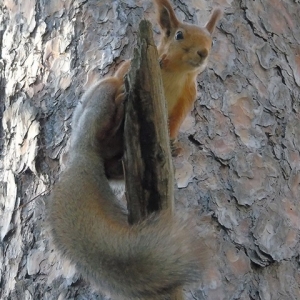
(147, 161)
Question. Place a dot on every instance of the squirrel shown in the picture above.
(89, 226)
(183, 52)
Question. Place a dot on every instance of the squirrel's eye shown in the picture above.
(179, 35)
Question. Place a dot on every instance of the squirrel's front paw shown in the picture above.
(162, 61)
(120, 96)
(176, 149)
(119, 101)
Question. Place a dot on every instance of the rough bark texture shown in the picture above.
(148, 165)
(241, 160)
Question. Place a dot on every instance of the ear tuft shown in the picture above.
(166, 16)
(213, 20)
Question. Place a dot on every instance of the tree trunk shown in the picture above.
(240, 167)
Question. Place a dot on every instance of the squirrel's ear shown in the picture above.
(214, 18)
(166, 16)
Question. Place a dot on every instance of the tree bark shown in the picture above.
(240, 165)
(147, 159)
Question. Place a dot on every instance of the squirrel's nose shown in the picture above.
(202, 53)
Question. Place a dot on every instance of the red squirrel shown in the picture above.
(153, 258)
(183, 53)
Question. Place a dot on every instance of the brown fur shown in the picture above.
(89, 227)
(181, 60)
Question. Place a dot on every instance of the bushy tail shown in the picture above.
(144, 261)
(153, 258)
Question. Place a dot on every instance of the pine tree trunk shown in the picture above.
(240, 166)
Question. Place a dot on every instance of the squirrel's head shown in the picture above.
(184, 47)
